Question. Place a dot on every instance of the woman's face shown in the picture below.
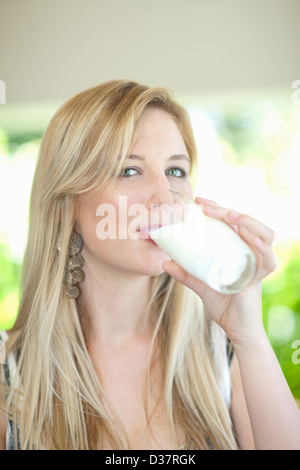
(158, 159)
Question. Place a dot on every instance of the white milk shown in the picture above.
(209, 250)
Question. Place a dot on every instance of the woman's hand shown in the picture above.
(238, 314)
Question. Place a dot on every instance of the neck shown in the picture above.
(115, 306)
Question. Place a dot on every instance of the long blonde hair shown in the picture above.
(56, 398)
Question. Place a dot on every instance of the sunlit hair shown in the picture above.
(56, 397)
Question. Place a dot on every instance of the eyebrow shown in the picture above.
(173, 157)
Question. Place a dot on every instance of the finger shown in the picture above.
(260, 230)
(210, 203)
(250, 238)
(242, 220)
(182, 276)
(264, 255)
(204, 201)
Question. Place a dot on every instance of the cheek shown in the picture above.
(123, 217)
(186, 189)
(110, 238)
(106, 227)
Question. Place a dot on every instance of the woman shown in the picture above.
(115, 345)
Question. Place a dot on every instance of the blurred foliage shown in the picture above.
(9, 288)
(258, 129)
(17, 162)
(281, 315)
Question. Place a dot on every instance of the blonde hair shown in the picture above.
(56, 398)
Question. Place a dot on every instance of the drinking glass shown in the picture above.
(207, 248)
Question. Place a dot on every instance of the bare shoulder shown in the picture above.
(239, 411)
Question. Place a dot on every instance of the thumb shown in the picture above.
(182, 276)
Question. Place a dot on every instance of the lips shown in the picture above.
(144, 231)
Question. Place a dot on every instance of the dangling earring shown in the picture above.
(74, 273)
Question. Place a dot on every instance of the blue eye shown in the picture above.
(177, 172)
(127, 172)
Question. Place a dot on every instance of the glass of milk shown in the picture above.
(207, 248)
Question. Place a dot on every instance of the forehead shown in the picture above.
(153, 118)
(158, 128)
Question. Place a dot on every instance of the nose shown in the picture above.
(160, 181)
(159, 196)
(163, 197)
(158, 186)
(164, 207)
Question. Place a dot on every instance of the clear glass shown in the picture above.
(207, 248)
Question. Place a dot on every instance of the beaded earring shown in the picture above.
(74, 274)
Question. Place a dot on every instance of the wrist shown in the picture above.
(251, 344)
(246, 327)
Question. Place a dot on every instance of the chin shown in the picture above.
(153, 266)
(153, 272)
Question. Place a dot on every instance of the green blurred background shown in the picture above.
(233, 64)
